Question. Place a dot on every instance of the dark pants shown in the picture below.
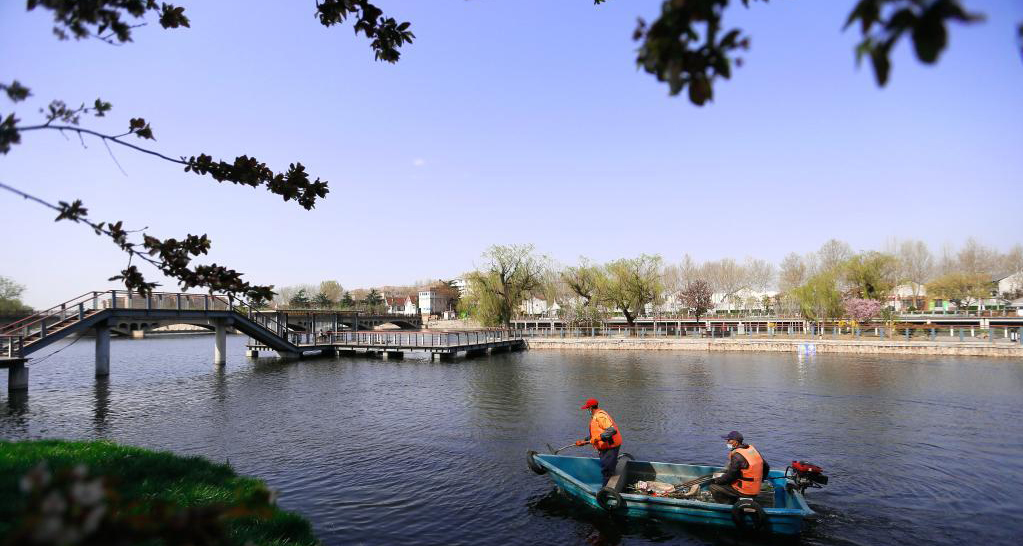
(724, 494)
(608, 461)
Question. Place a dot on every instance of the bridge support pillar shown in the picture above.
(17, 377)
(251, 353)
(444, 357)
(102, 349)
(220, 343)
(393, 355)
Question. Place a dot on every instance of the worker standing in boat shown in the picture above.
(605, 437)
(744, 474)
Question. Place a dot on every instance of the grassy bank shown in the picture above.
(154, 487)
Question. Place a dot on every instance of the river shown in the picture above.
(927, 450)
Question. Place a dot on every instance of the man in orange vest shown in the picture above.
(744, 474)
(605, 437)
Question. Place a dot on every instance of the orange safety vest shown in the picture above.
(749, 483)
(596, 429)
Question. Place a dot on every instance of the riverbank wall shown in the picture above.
(798, 346)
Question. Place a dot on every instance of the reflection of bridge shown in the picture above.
(289, 333)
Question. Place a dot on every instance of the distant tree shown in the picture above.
(507, 277)
(331, 289)
(860, 309)
(373, 299)
(831, 255)
(697, 297)
(819, 298)
(871, 275)
(584, 280)
(962, 289)
(10, 297)
(792, 272)
(632, 283)
(322, 301)
(300, 300)
(347, 302)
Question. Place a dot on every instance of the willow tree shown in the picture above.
(631, 284)
(507, 277)
(819, 298)
(871, 275)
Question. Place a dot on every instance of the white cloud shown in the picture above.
(418, 162)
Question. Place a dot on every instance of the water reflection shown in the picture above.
(101, 405)
(357, 444)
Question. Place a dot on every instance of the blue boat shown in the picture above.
(780, 509)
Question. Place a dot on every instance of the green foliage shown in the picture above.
(373, 299)
(585, 280)
(819, 298)
(872, 275)
(688, 48)
(507, 278)
(960, 288)
(923, 21)
(10, 297)
(322, 301)
(631, 284)
(347, 302)
(300, 300)
(121, 494)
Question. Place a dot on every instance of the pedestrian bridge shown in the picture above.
(290, 333)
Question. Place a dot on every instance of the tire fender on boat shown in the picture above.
(748, 507)
(533, 465)
(610, 500)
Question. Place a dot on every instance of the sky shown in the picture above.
(507, 123)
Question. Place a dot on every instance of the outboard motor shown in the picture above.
(805, 475)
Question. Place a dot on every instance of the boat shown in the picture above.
(780, 508)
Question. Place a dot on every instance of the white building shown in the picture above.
(537, 306)
(435, 300)
(1010, 284)
(402, 305)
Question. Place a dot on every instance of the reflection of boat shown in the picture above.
(779, 509)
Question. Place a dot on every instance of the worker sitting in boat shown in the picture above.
(605, 437)
(744, 474)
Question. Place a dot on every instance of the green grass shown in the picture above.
(146, 476)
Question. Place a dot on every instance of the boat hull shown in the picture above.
(579, 477)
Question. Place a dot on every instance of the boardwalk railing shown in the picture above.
(429, 339)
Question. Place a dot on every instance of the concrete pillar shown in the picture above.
(138, 334)
(393, 355)
(220, 343)
(252, 353)
(102, 349)
(17, 377)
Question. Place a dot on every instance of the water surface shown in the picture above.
(926, 450)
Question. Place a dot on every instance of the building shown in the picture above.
(1010, 284)
(436, 299)
(402, 305)
(537, 306)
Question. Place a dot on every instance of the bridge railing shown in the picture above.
(771, 330)
(11, 345)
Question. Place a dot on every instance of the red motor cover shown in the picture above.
(803, 466)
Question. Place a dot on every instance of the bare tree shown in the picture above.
(792, 272)
(915, 264)
(832, 254)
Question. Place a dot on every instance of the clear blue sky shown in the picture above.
(510, 122)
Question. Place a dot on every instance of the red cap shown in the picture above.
(590, 403)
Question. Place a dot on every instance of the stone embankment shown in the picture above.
(799, 346)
